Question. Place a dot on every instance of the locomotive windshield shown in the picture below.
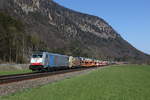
(37, 56)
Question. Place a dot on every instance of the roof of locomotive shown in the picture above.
(55, 54)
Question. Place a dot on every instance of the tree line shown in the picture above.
(15, 45)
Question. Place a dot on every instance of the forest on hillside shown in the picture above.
(15, 45)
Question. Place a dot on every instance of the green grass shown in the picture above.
(128, 82)
(14, 72)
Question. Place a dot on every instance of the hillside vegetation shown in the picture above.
(14, 43)
(125, 82)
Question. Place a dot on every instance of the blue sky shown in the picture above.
(130, 18)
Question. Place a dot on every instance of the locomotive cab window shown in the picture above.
(37, 56)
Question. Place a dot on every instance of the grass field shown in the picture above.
(14, 72)
(128, 82)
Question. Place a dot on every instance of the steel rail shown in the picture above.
(2, 76)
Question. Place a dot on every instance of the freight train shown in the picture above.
(45, 61)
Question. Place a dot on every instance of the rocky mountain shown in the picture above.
(65, 31)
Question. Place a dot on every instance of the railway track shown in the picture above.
(2, 76)
(20, 77)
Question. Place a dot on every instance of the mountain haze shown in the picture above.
(58, 29)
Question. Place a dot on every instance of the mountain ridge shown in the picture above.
(70, 32)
